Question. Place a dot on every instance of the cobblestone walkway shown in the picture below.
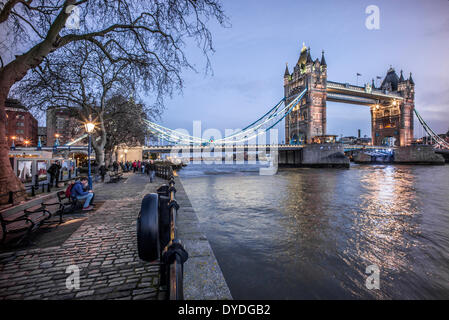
(103, 248)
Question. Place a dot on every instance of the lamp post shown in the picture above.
(90, 127)
(126, 152)
(57, 140)
(56, 144)
(13, 145)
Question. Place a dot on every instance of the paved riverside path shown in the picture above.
(104, 248)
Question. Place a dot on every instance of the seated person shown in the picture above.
(78, 193)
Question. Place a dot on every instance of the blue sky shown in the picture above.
(250, 58)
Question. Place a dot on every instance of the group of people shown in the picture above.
(134, 166)
(80, 189)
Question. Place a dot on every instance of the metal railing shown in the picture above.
(173, 255)
(164, 171)
(157, 235)
(28, 189)
(34, 188)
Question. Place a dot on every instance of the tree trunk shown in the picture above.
(10, 74)
(99, 142)
(108, 160)
(99, 154)
(8, 180)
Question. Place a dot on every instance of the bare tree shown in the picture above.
(125, 125)
(81, 79)
(147, 33)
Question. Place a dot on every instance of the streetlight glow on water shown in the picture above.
(313, 233)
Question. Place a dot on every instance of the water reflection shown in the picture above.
(308, 233)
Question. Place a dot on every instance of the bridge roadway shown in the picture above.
(209, 148)
(347, 93)
(251, 147)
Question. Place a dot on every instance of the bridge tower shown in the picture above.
(392, 121)
(308, 118)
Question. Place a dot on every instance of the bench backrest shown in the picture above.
(61, 196)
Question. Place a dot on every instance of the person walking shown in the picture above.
(152, 170)
(54, 172)
(147, 168)
(115, 166)
(134, 165)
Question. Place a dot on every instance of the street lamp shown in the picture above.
(126, 151)
(56, 140)
(90, 127)
(27, 142)
(13, 145)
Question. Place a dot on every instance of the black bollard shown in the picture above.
(148, 245)
(11, 197)
(33, 192)
(48, 187)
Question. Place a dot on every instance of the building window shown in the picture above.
(20, 124)
(19, 116)
(19, 131)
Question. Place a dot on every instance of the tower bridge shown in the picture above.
(392, 105)
(306, 92)
(303, 107)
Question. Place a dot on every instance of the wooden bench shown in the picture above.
(23, 223)
(65, 204)
(115, 176)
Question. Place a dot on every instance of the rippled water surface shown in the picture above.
(311, 233)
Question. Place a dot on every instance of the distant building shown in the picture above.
(354, 140)
(348, 140)
(63, 125)
(42, 134)
(364, 141)
(328, 138)
(21, 126)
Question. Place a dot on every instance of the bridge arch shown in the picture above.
(298, 138)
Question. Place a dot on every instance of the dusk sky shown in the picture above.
(250, 58)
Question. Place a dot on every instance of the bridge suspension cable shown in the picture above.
(258, 127)
(76, 140)
(439, 142)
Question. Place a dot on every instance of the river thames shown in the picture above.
(311, 233)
